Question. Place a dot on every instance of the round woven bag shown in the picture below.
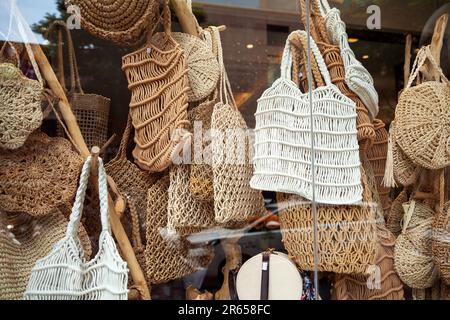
(405, 171)
(40, 176)
(203, 66)
(21, 248)
(413, 250)
(441, 242)
(20, 104)
(123, 22)
(423, 117)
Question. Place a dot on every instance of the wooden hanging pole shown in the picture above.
(72, 125)
(407, 66)
(185, 16)
(436, 47)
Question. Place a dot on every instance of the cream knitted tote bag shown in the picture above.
(283, 157)
(357, 77)
(65, 275)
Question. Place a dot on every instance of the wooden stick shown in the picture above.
(72, 125)
(233, 256)
(187, 19)
(407, 66)
(436, 47)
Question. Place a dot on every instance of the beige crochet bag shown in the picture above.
(29, 240)
(40, 176)
(234, 200)
(158, 81)
(20, 102)
(422, 117)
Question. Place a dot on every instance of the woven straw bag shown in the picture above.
(395, 217)
(40, 176)
(20, 102)
(347, 235)
(357, 77)
(333, 60)
(123, 22)
(65, 274)
(31, 239)
(158, 81)
(422, 117)
(234, 200)
(441, 242)
(167, 258)
(382, 284)
(90, 110)
(283, 139)
(413, 248)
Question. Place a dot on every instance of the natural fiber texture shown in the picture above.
(413, 256)
(283, 139)
(347, 238)
(123, 22)
(167, 258)
(377, 155)
(183, 211)
(382, 284)
(333, 60)
(357, 77)
(394, 219)
(39, 176)
(30, 240)
(423, 117)
(203, 66)
(158, 81)
(65, 274)
(20, 106)
(441, 242)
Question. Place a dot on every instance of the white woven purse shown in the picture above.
(283, 157)
(65, 274)
(357, 77)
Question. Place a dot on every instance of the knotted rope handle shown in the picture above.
(324, 7)
(318, 29)
(77, 209)
(164, 20)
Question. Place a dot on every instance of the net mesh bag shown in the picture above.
(30, 240)
(123, 22)
(158, 81)
(422, 113)
(65, 274)
(347, 235)
(40, 176)
(283, 138)
(413, 248)
(167, 258)
(20, 102)
(382, 284)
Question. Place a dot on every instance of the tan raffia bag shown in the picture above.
(347, 235)
(158, 80)
(29, 240)
(168, 258)
(395, 217)
(234, 200)
(91, 110)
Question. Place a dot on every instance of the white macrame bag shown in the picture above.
(283, 157)
(65, 274)
(357, 77)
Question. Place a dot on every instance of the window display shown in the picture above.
(226, 150)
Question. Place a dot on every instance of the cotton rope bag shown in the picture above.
(234, 199)
(382, 284)
(123, 22)
(283, 139)
(91, 110)
(347, 235)
(158, 81)
(167, 258)
(357, 77)
(20, 103)
(423, 117)
(413, 248)
(40, 176)
(29, 240)
(65, 274)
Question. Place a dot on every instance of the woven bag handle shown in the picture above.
(122, 152)
(286, 62)
(422, 56)
(319, 30)
(75, 83)
(324, 7)
(135, 226)
(77, 209)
